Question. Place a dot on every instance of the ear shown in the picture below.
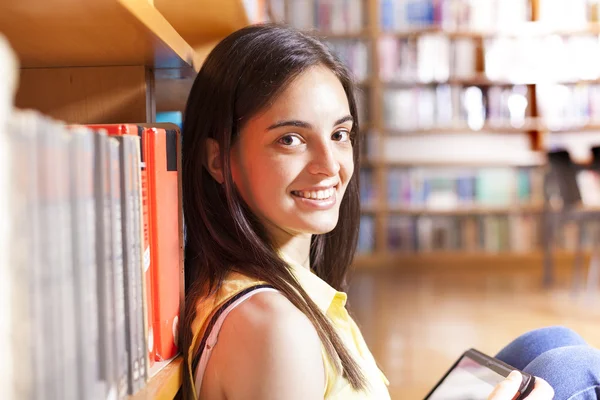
(213, 160)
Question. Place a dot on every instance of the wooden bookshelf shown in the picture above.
(533, 128)
(72, 33)
(115, 61)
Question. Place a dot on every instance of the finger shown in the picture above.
(508, 388)
(541, 391)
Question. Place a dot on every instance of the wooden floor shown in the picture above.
(417, 324)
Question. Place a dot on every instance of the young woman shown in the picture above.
(271, 144)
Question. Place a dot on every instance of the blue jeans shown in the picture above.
(559, 356)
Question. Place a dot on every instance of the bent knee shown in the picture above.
(573, 371)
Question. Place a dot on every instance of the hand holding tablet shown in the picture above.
(509, 389)
(476, 376)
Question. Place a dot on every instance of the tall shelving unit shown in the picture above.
(117, 61)
(379, 136)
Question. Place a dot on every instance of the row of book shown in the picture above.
(354, 54)
(456, 188)
(426, 58)
(510, 233)
(403, 15)
(568, 105)
(445, 106)
(95, 256)
(514, 233)
(543, 59)
(330, 16)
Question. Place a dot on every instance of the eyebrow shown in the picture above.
(303, 124)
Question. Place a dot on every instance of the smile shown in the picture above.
(321, 194)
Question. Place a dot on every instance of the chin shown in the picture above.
(320, 227)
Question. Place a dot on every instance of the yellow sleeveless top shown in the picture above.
(332, 303)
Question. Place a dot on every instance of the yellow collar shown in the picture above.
(319, 291)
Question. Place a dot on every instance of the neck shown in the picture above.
(297, 248)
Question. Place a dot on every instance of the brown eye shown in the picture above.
(290, 140)
(341, 136)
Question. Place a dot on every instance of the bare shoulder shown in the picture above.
(269, 349)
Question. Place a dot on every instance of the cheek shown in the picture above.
(347, 166)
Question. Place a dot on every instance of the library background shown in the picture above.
(479, 180)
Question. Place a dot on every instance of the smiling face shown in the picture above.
(292, 162)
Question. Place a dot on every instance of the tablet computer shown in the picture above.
(474, 376)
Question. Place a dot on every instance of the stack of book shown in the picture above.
(95, 255)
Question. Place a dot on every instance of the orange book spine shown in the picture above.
(164, 238)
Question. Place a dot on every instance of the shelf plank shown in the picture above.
(451, 260)
(203, 21)
(529, 125)
(165, 384)
(477, 210)
(74, 33)
(528, 29)
(537, 160)
(476, 80)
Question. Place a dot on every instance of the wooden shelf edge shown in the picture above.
(165, 384)
(459, 211)
(154, 21)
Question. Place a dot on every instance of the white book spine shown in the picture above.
(8, 70)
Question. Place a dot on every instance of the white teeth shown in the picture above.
(317, 194)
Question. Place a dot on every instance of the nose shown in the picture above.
(324, 160)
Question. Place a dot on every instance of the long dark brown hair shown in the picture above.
(242, 75)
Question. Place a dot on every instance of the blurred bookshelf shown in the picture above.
(459, 112)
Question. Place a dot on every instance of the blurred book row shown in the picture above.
(447, 106)
(95, 254)
(476, 234)
(541, 59)
(568, 105)
(456, 188)
(483, 15)
(438, 58)
(354, 54)
(426, 58)
(327, 16)
(507, 233)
